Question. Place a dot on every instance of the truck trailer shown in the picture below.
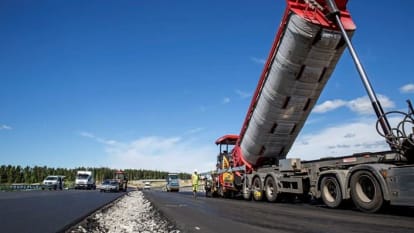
(310, 41)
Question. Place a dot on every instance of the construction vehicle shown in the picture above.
(122, 179)
(312, 36)
(172, 183)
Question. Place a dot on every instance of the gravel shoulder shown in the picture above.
(131, 213)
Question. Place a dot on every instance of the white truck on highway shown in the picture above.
(84, 180)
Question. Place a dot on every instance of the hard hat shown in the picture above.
(195, 170)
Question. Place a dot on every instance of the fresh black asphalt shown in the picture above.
(48, 211)
(55, 211)
(221, 215)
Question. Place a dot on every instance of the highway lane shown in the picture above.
(48, 211)
(225, 215)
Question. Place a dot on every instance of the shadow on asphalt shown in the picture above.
(405, 211)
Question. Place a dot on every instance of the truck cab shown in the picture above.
(84, 180)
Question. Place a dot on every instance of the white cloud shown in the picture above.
(340, 140)
(258, 60)
(157, 153)
(409, 88)
(361, 105)
(226, 100)
(243, 94)
(98, 139)
(87, 134)
(165, 154)
(329, 105)
(195, 130)
(5, 127)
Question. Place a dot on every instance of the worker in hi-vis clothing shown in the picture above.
(194, 181)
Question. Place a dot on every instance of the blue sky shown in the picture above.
(152, 84)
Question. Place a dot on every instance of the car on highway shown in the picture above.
(53, 182)
(147, 185)
(109, 186)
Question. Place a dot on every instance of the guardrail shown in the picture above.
(20, 187)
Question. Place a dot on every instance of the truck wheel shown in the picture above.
(271, 189)
(366, 192)
(247, 194)
(257, 189)
(331, 192)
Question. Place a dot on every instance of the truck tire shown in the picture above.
(257, 189)
(247, 194)
(271, 189)
(331, 192)
(366, 192)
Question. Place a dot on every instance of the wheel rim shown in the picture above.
(271, 189)
(365, 189)
(330, 191)
(246, 191)
(257, 192)
(256, 185)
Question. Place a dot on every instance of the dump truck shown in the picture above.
(253, 164)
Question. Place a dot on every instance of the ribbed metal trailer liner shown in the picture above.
(302, 64)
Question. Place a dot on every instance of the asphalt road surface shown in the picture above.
(48, 211)
(225, 215)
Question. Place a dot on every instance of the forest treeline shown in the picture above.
(10, 174)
